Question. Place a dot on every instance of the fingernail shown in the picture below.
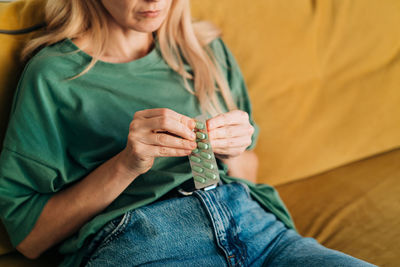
(192, 124)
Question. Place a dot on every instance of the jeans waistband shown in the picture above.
(177, 192)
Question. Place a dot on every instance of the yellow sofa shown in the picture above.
(324, 79)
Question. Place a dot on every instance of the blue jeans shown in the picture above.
(220, 227)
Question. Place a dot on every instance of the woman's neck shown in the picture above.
(123, 45)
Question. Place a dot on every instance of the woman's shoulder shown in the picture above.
(51, 61)
(44, 72)
(223, 56)
(220, 51)
(217, 45)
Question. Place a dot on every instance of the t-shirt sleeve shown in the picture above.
(236, 83)
(20, 202)
(31, 152)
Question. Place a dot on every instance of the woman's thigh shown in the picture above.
(267, 242)
(293, 250)
(174, 232)
(270, 243)
(210, 228)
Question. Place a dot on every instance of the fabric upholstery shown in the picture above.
(323, 77)
(15, 259)
(5, 244)
(13, 16)
(354, 208)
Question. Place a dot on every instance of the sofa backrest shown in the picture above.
(324, 76)
(17, 20)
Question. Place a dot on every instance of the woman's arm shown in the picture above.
(69, 209)
(72, 207)
(243, 166)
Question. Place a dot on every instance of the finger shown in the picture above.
(149, 113)
(144, 150)
(160, 139)
(167, 124)
(242, 141)
(229, 118)
(162, 151)
(166, 112)
(231, 131)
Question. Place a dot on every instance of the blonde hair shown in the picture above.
(179, 40)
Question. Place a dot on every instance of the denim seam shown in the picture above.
(218, 209)
(204, 200)
(226, 218)
(120, 228)
(98, 240)
(238, 244)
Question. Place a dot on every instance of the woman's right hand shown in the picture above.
(157, 133)
(152, 133)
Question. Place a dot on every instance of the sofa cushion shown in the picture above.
(5, 244)
(49, 259)
(323, 77)
(354, 208)
(14, 17)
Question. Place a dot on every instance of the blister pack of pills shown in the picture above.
(202, 160)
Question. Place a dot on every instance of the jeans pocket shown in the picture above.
(119, 228)
(106, 234)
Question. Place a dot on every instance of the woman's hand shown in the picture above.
(157, 133)
(152, 133)
(230, 133)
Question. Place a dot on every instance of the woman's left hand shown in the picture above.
(230, 133)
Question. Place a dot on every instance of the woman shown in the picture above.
(77, 168)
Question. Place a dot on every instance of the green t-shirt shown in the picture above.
(60, 130)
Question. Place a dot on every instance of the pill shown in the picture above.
(200, 125)
(211, 175)
(205, 155)
(195, 159)
(197, 169)
(208, 165)
(202, 145)
(200, 135)
(199, 179)
(195, 150)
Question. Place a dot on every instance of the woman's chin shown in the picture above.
(146, 27)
